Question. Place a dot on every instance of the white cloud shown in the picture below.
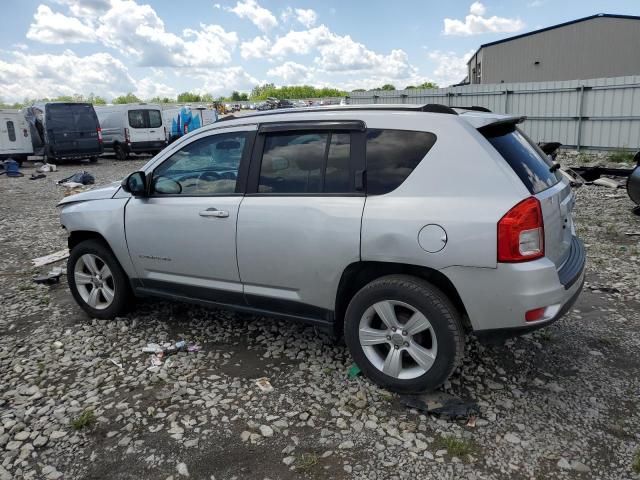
(300, 42)
(48, 75)
(222, 82)
(53, 27)
(535, 3)
(259, 16)
(137, 31)
(256, 48)
(306, 17)
(86, 8)
(477, 8)
(450, 67)
(148, 88)
(291, 73)
(476, 23)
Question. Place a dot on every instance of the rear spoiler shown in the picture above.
(502, 125)
(486, 121)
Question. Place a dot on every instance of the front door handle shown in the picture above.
(214, 212)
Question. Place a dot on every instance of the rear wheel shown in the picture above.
(119, 150)
(97, 281)
(404, 334)
(93, 159)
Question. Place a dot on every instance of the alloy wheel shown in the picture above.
(94, 281)
(398, 339)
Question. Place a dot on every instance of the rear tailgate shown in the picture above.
(538, 174)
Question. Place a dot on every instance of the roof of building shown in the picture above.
(553, 27)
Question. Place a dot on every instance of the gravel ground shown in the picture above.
(77, 400)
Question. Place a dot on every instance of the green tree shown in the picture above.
(426, 85)
(358, 90)
(128, 98)
(96, 100)
(188, 97)
(387, 86)
(294, 91)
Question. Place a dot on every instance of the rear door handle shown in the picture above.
(214, 212)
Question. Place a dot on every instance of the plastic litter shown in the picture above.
(83, 178)
(12, 168)
(37, 176)
(47, 167)
(51, 277)
(354, 371)
(51, 258)
(119, 365)
(264, 384)
(440, 403)
(162, 350)
(608, 182)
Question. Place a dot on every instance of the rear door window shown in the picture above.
(306, 162)
(392, 155)
(530, 163)
(145, 118)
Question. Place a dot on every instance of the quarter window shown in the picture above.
(392, 155)
(208, 166)
(11, 130)
(306, 162)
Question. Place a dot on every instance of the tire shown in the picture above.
(117, 283)
(440, 346)
(121, 153)
(93, 159)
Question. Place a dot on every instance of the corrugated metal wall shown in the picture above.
(600, 114)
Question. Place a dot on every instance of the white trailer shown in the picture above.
(15, 137)
(132, 128)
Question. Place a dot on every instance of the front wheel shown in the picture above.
(404, 334)
(97, 281)
(121, 153)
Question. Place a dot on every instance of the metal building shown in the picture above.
(601, 45)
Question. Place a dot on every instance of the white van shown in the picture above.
(132, 128)
(15, 138)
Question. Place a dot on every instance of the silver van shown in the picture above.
(132, 128)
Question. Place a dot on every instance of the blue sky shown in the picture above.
(110, 47)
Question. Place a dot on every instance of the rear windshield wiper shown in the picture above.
(554, 167)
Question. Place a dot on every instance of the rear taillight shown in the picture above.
(166, 137)
(521, 232)
(127, 138)
(99, 135)
(186, 129)
(535, 314)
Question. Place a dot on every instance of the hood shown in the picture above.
(100, 193)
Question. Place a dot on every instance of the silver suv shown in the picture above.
(402, 227)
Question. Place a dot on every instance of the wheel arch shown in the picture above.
(358, 274)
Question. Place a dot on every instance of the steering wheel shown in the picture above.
(207, 175)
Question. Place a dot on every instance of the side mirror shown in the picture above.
(135, 184)
(279, 163)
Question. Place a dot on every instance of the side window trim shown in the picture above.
(356, 160)
(243, 168)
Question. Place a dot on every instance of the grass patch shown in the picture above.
(635, 465)
(86, 419)
(456, 447)
(621, 156)
(306, 461)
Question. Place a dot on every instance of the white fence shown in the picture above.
(599, 114)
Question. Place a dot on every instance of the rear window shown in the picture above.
(392, 155)
(72, 117)
(145, 118)
(525, 158)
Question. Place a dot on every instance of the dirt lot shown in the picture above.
(561, 403)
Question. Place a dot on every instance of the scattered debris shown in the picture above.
(264, 384)
(81, 178)
(51, 258)
(37, 176)
(354, 371)
(51, 277)
(166, 349)
(632, 234)
(47, 167)
(441, 403)
(471, 423)
(608, 182)
(12, 169)
(119, 365)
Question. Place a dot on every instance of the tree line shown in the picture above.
(259, 92)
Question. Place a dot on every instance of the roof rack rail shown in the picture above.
(428, 108)
(475, 108)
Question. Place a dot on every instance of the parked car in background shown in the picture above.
(64, 131)
(15, 138)
(295, 214)
(182, 120)
(285, 104)
(132, 128)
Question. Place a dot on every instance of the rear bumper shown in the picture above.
(497, 299)
(62, 154)
(155, 145)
